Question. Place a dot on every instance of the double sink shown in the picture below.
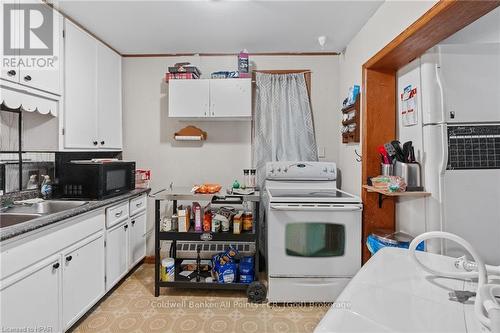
(22, 213)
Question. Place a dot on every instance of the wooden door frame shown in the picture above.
(379, 98)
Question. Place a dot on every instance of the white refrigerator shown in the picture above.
(457, 139)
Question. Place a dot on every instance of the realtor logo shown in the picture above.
(28, 30)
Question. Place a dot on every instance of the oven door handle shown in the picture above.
(316, 208)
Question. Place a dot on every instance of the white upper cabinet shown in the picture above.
(210, 98)
(109, 97)
(80, 94)
(47, 77)
(231, 98)
(93, 107)
(188, 98)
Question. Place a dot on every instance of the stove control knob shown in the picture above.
(325, 170)
(285, 169)
(279, 169)
(332, 170)
(272, 170)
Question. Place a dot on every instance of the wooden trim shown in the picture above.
(441, 21)
(280, 54)
(155, 55)
(149, 260)
(379, 127)
(379, 96)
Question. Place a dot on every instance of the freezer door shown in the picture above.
(470, 77)
(472, 211)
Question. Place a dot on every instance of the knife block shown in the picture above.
(411, 173)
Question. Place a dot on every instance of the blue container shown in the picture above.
(380, 239)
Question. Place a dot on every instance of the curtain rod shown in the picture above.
(291, 71)
(285, 71)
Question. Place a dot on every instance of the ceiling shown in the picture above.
(217, 26)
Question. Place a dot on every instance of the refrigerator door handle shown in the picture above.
(440, 87)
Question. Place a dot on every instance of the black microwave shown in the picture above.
(96, 180)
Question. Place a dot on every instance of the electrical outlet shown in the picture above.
(321, 152)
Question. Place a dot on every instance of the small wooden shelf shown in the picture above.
(352, 137)
(383, 193)
(396, 194)
(348, 122)
(349, 108)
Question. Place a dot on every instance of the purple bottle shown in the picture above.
(243, 64)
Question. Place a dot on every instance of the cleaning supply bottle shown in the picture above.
(243, 64)
(46, 189)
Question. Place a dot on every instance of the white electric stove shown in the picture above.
(313, 232)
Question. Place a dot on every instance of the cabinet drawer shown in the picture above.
(138, 205)
(27, 251)
(116, 214)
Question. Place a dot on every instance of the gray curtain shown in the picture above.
(283, 127)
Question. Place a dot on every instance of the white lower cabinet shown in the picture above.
(137, 239)
(116, 253)
(30, 299)
(83, 278)
(50, 279)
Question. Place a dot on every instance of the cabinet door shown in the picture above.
(32, 297)
(231, 98)
(116, 254)
(137, 239)
(47, 79)
(188, 98)
(80, 111)
(109, 97)
(83, 277)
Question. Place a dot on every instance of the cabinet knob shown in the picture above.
(133, 222)
(69, 258)
(102, 142)
(56, 265)
(125, 227)
(95, 143)
(11, 72)
(27, 78)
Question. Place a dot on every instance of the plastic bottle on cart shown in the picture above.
(198, 219)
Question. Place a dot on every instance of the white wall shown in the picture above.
(148, 132)
(387, 22)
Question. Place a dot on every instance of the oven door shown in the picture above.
(316, 240)
(117, 178)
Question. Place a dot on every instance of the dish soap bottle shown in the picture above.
(46, 189)
(32, 183)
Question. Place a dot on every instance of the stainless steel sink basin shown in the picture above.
(8, 219)
(46, 207)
